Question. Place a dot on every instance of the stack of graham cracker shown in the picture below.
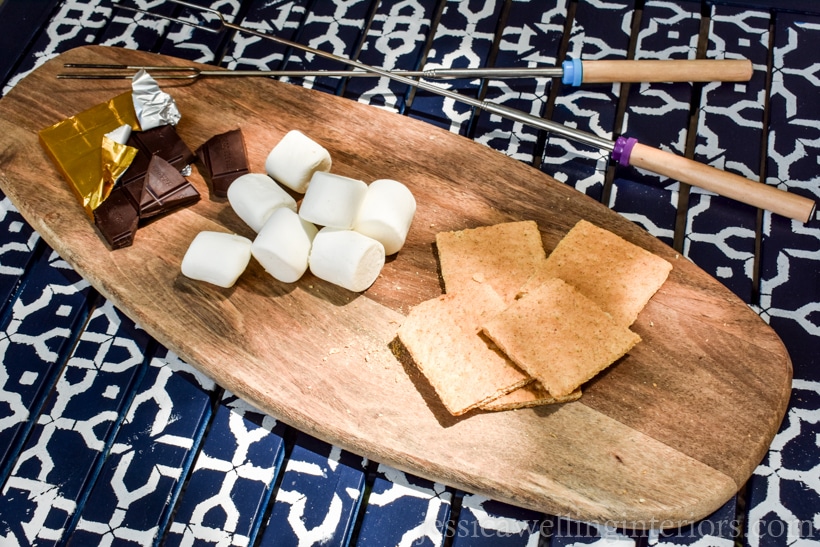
(516, 328)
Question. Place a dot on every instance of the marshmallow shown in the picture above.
(332, 200)
(255, 196)
(283, 245)
(386, 213)
(346, 258)
(217, 258)
(294, 159)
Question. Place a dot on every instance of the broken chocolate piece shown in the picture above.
(162, 141)
(117, 218)
(164, 189)
(223, 159)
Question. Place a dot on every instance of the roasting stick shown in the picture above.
(626, 151)
(572, 72)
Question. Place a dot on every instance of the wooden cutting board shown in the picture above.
(663, 437)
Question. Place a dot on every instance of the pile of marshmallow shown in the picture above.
(342, 231)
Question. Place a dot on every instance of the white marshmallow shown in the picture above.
(255, 196)
(217, 258)
(332, 200)
(386, 213)
(295, 158)
(346, 258)
(283, 245)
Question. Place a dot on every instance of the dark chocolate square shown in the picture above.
(164, 189)
(223, 159)
(162, 141)
(117, 218)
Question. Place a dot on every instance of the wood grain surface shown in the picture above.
(663, 437)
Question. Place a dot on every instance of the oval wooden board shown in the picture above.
(663, 437)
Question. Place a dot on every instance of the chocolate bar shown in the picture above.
(162, 141)
(223, 159)
(164, 189)
(117, 218)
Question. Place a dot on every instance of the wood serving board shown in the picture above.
(663, 437)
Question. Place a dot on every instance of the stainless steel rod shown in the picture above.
(191, 73)
(510, 113)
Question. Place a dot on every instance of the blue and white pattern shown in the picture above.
(152, 462)
(230, 484)
(462, 39)
(524, 43)
(395, 40)
(730, 122)
(405, 510)
(73, 431)
(35, 337)
(319, 496)
(485, 522)
(141, 478)
(600, 30)
(17, 249)
(785, 499)
(657, 114)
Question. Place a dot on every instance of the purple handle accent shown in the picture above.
(623, 149)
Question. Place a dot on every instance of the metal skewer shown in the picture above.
(572, 72)
(193, 73)
(540, 123)
(626, 151)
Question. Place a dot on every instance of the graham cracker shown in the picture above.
(617, 275)
(559, 336)
(529, 396)
(503, 255)
(464, 367)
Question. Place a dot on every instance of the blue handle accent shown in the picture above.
(573, 72)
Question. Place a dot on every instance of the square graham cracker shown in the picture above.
(617, 275)
(529, 396)
(443, 337)
(503, 255)
(559, 336)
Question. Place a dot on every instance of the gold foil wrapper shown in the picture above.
(116, 159)
(75, 145)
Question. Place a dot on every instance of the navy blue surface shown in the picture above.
(37, 329)
(405, 509)
(319, 496)
(17, 251)
(132, 499)
(598, 32)
(57, 465)
(230, 484)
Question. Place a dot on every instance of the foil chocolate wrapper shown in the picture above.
(75, 146)
(116, 159)
(153, 106)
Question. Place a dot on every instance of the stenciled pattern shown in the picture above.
(319, 496)
(785, 498)
(600, 30)
(34, 339)
(730, 123)
(16, 251)
(462, 39)
(403, 510)
(230, 483)
(149, 459)
(73, 431)
(657, 114)
(524, 43)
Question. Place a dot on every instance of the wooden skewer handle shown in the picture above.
(695, 70)
(720, 182)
